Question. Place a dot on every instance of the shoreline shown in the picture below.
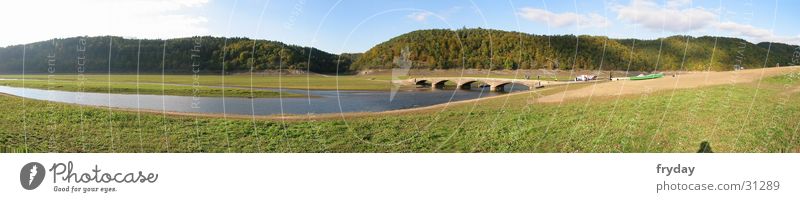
(287, 117)
(621, 88)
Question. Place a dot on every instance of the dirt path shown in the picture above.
(683, 81)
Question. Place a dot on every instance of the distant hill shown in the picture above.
(269, 55)
(496, 49)
(429, 49)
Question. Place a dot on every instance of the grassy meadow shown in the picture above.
(749, 117)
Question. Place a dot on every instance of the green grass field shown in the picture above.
(750, 117)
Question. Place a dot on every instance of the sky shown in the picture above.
(340, 26)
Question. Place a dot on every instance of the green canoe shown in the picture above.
(649, 76)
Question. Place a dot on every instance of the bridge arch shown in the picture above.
(421, 82)
(501, 86)
(467, 84)
(495, 84)
(439, 83)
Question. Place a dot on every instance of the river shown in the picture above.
(323, 101)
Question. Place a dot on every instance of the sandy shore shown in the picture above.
(682, 81)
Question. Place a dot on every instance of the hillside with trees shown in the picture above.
(430, 49)
(495, 49)
(177, 55)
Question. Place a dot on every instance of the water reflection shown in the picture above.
(324, 101)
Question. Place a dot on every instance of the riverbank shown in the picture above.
(345, 115)
(686, 80)
(554, 94)
(374, 80)
(145, 89)
(305, 82)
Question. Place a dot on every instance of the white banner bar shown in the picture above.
(399, 177)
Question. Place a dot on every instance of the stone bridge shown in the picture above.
(495, 84)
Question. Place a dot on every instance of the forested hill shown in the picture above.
(429, 49)
(178, 56)
(484, 49)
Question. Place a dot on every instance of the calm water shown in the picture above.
(322, 102)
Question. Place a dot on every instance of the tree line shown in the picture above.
(430, 49)
(496, 49)
(176, 56)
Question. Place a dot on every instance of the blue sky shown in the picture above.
(357, 25)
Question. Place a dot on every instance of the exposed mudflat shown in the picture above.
(668, 82)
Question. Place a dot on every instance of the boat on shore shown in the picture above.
(649, 76)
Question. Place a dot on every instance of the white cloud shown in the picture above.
(420, 16)
(36, 20)
(747, 30)
(563, 19)
(679, 16)
(755, 33)
(678, 3)
(672, 17)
